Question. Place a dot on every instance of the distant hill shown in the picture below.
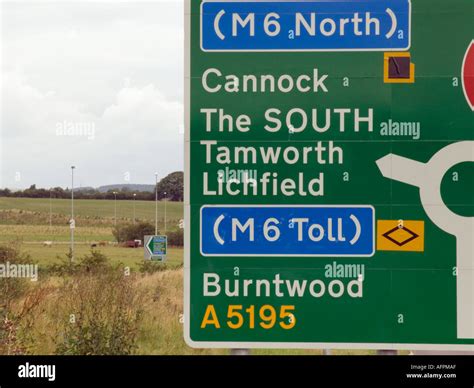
(129, 187)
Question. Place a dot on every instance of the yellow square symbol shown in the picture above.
(400, 235)
(398, 68)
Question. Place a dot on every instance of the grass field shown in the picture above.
(24, 222)
(90, 210)
(130, 257)
(40, 233)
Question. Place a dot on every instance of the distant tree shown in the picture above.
(129, 232)
(172, 184)
(58, 192)
(176, 238)
(31, 192)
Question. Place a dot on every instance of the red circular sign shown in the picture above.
(468, 75)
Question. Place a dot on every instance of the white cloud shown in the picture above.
(143, 112)
(117, 67)
(138, 133)
(29, 112)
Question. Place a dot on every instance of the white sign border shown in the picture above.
(187, 254)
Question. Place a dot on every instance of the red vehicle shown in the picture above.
(133, 243)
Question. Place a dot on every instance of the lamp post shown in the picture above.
(134, 196)
(73, 222)
(115, 208)
(156, 203)
(165, 209)
(50, 209)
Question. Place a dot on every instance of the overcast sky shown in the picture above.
(93, 84)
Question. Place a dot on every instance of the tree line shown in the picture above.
(172, 185)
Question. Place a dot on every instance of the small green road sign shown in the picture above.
(155, 248)
(329, 148)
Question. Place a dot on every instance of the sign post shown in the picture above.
(328, 176)
(155, 248)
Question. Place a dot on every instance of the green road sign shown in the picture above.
(155, 247)
(329, 179)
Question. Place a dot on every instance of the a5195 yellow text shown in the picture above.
(238, 316)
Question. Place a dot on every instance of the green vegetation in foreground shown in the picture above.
(130, 257)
